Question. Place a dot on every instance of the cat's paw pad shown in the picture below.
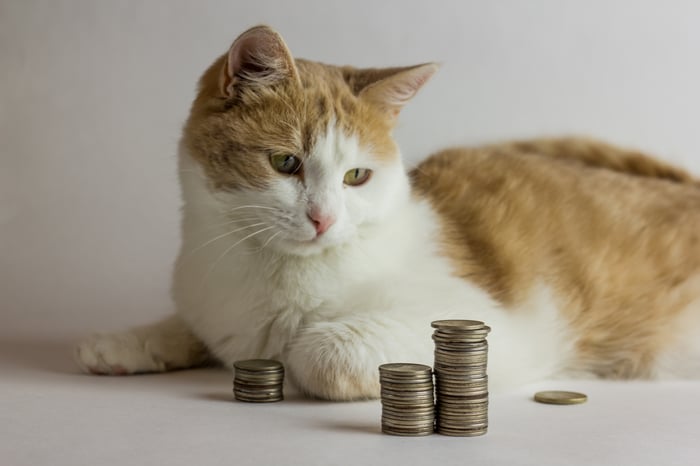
(115, 354)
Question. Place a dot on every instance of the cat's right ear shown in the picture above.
(258, 57)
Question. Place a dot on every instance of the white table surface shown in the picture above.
(52, 415)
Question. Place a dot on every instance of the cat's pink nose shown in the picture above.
(321, 221)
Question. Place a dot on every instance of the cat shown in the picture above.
(305, 239)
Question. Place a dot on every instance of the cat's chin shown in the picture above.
(310, 247)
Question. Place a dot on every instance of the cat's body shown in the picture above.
(583, 258)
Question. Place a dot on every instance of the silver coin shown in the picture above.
(407, 433)
(458, 349)
(405, 402)
(391, 379)
(457, 324)
(389, 410)
(409, 405)
(447, 374)
(254, 378)
(441, 367)
(463, 418)
(409, 387)
(457, 356)
(462, 360)
(261, 386)
(260, 400)
(454, 348)
(481, 333)
(465, 346)
(257, 383)
(408, 423)
(258, 365)
(259, 373)
(461, 433)
(463, 343)
(257, 394)
(460, 405)
(482, 424)
(462, 378)
(447, 399)
(460, 332)
(460, 387)
(408, 416)
(460, 394)
(473, 382)
(405, 394)
(460, 411)
(404, 368)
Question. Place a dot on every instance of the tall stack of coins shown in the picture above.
(461, 382)
(407, 399)
(258, 380)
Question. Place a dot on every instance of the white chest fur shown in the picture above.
(376, 295)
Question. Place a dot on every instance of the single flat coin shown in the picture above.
(557, 397)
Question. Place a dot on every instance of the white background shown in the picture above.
(92, 97)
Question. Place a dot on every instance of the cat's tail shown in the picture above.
(595, 153)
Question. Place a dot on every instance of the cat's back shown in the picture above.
(511, 213)
(612, 234)
(547, 178)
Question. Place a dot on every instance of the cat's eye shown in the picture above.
(357, 176)
(285, 163)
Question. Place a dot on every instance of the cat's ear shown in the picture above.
(259, 57)
(392, 88)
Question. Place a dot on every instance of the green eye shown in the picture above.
(357, 176)
(285, 163)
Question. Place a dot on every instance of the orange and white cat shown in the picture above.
(306, 240)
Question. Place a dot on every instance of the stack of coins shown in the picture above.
(407, 399)
(461, 382)
(258, 380)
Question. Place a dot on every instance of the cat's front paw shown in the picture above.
(332, 361)
(116, 354)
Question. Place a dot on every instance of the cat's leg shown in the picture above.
(339, 360)
(159, 347)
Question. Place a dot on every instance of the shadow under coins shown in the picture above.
(325, 417)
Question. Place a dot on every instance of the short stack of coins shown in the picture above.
(258, 380)
(461, 383)
(408, 407)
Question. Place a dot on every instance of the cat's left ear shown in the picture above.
(396, 86)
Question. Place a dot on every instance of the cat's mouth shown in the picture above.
(310, 246)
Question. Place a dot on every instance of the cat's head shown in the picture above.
(303, 148)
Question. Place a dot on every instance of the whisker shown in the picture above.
(270, 239)
(223, 235)
(250, 207)
(236, 220)
(211, 269)
(273, 236)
